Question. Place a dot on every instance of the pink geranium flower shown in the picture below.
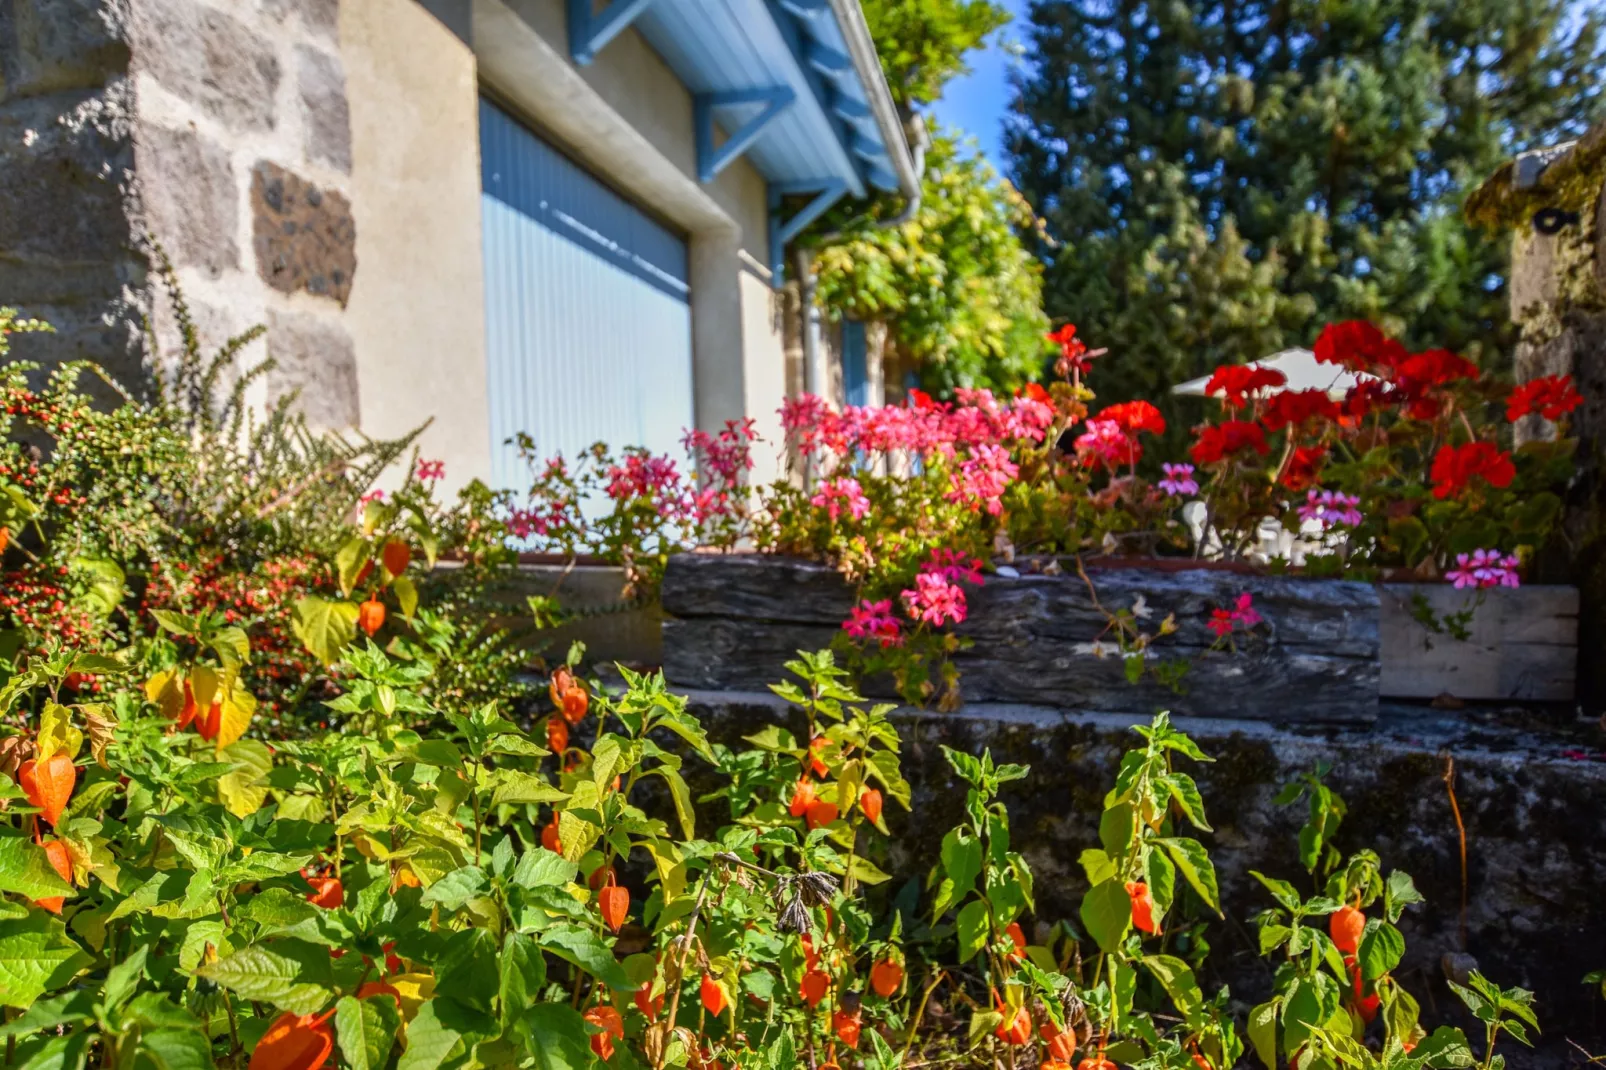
(1178, 480)
(429, 471)
(874, 620)
(934, 600)
(1331, 509)
(838, 496)
(953, 566)
(1484, 568)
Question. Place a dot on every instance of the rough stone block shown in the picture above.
(47, 46)
(305, 237)
(188, 190)
(314, 357)
(319, 17)
(209, 58)
(63, 159)
(325, 117)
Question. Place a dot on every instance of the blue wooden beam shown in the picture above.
(825, 59)
(710, 160)
(782, 231)
(589, 32)
(849, 109)
(806, 9)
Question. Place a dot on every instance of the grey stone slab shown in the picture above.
(314, 357)
(215, 61)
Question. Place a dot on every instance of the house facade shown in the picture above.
(544, 216)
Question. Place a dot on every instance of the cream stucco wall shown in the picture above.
(417, 312)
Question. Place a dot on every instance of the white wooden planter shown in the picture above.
(1521, 644)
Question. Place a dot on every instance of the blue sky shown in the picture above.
(976, 102)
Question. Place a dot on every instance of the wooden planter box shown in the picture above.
(1325, 652)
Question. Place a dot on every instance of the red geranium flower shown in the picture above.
(1360, 347)
(1303, 466)
(1454, 467)
(1292, 408)
(1222, 440)
(1238, 381)
(1551, 396)
(1135, 416)
(1436, 367)
(1073, 353)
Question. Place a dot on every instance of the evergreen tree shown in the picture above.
(1221, 177)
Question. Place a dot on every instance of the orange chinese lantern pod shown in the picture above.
(802, 796)
(5, 539)
(600, 877)
(816, 763)
(549, 836)
(846, 1027)
(870, 803)
(396, 555)
(48, 784)
(326, 893)
(557, 734)
(814, 986)
(575, 703)
(885, 977)
(1061, 1042)
(61, 862)
(1142, 907)
(1201, 1062)
(811, 957)
(713, 996)
(371, 616)
(363, 573)
(393, 963)
(614, 903)
(209, 725)
(1095, 1062)
(187, 713)
(404, 877)
(820, 813)
(1054, 1064)
(1368, 1005)
(379, 988)
(1018, 938)
(1345, 925)
(294, 1042)
(1016, 1030)
(612, 1025)
(647, 1003)
(558, 686)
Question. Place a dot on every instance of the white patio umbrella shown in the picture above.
(1303, 373)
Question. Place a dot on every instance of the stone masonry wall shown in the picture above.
(218, 127)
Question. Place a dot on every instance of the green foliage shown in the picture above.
(1220, 178)
(960, 295)
(923, 43)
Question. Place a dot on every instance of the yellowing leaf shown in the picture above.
(56, 733)
(234, 718)
(165, 691)
(239, 790)
(203, 686)
(324, 627)
(406, 595)
(414, 990)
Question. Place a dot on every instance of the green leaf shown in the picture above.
(36, 957)
(349, 560)
(366, 1030)
(972, 926)
(540, 868)
(557, 1037)
(1176, 977)
(583, 948)
(290, 974)
(176, 1049)
(1098, 865)
(1194, 862)
(1185, 793)
(61, 1053)
(514, 788)
(26, 870)
(1398, 893)
(67, 1009)
(457, 887)
(1107, 914)
(406, 595)
(324, 627)
(961, 865)
(681, 795)
(429, 1043)
(1382, 947)
(1263, 1033)
(523, 972)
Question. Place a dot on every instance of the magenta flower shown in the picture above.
(1243, 614)
(874, 620)
(1178, 480)
(373, 496)
(837, 496)
(953, 566)
(429, 471)
(983, 478)
(1485, 568)
(1331, 509)
(933, 600)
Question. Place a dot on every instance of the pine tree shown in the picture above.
(1221, 177)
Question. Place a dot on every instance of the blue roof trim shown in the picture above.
(721, 48)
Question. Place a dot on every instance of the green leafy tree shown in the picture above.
(957, 293)
(1220, 179)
